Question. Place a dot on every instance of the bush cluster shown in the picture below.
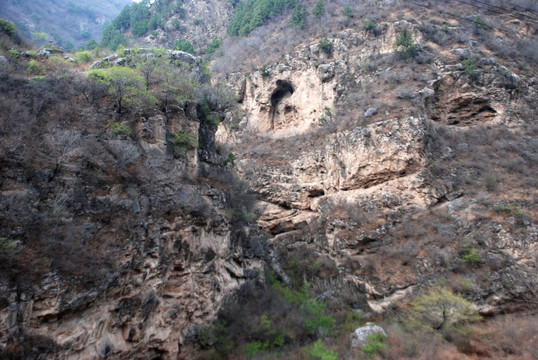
(253, 13)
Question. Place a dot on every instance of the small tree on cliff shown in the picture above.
(124, 84)
(439, 309)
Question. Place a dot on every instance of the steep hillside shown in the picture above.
(66, 22)
(180, 24)
(393, 149)
(345, 163)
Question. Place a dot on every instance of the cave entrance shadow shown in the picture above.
(283, 89)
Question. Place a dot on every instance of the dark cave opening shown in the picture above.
(283, 89)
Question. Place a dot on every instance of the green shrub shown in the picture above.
(507, 207)
(35, 68)
(353, 321)
(369, 26)
(325, 46)
(469, 69)
(479, 23)
(39, 37)
(83, 57)
(14, 53)
(264, 71)
(176, 23)
(253, 13)
(471, 257)
(140, 28)
(57, 62)
(374, 344)
(91, 45)
(213, 46)
(7, 246)
(317, 350)
(230, 160)
(185, 140)
(468, 253)
(405, 45)
(490, 182)
(7, 27)
(255, 347)
(319, 9)
(298, 17)
(294, 296)
(347, 12)
(317, 321)
(120, 128)
(38, 79)
(155, 22)
(183, 45)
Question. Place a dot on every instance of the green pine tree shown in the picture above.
(319, 9)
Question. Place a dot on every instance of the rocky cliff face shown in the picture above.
(381, 175)
(200, 22)
(115, 242)
(369, 178)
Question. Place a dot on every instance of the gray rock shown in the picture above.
(326, 72)
(360, 335)
(511, 80)
(370, 112)
(426, 93)
(3, 60)
(488, 61)
(182, 56)
(463, 53)
(401, 25)
(97, 65)
(46, 52)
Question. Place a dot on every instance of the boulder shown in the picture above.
(326, 72)
(360, 335)
(370, 112)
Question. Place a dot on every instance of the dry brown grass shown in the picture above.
(511, 336)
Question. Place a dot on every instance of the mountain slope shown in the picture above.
(387, 156)
(67, 22)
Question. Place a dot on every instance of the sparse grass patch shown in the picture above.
(317, 351)
(35, 68)
(374, 344)
(120, 128)
(490, 182)
(468, 253)
(353, 320)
